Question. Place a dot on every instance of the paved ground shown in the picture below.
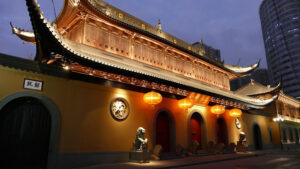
(251, 160)
(269, 161)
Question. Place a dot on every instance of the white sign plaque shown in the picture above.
(33, 84)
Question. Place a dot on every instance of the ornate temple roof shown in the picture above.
(49, 40)
(254, 88)
(142, 27)
(147, 29)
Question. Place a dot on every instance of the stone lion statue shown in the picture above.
(242, 143)
(140, 142)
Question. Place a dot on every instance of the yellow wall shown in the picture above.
(264, 124)
(87, 125)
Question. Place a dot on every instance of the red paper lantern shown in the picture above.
(152, 98)
(217, 109)
(185, 103)
(235, 113)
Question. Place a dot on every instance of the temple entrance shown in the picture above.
(195, 128)
(163, 134)
(222, 136)
(24, 131)
(257, 138)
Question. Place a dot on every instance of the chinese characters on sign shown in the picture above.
(33, 84)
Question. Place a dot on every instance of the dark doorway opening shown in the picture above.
(284, 136)
(24, 134)
(222, 135)
(296, 136)
(163, 134)
(196, 125)
(291, 135)
(257, 138)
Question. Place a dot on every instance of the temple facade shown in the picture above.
(285, 111)
(100, 74)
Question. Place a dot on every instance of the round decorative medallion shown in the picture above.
(119, 108)
(237, 123)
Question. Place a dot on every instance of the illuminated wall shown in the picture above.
(87, 125)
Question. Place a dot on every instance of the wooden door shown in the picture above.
(195, 127)
(222, 136)
(24, 134)
(163, 131)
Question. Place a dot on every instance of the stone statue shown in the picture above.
(241, 144)
(140, 143)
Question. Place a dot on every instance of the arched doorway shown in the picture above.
(296, 135)
(257, 137)
(164, 131)
(196, 129)
(222, 135)
(25, 125)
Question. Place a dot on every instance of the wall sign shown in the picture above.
(33, 84)
(119, 109)
(237, 123)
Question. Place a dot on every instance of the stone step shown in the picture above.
(168, 156)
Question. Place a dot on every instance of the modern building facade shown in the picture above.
(208, 50)
(280, 21)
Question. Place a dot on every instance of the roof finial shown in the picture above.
(159, 25)
(202, 50)
(201, 43)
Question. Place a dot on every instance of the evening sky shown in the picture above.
(233, 26)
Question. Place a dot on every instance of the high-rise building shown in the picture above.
(280, 21)
(209, 51)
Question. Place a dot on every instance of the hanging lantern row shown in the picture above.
(185, 103)
(219, 109)
(152, 98)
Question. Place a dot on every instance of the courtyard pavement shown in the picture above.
(251, 160)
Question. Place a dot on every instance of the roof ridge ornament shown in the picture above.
(159, 25)
(26, 36)
(241, 70)
(202, 50)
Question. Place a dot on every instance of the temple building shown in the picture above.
(285, 110)
(100, 74)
